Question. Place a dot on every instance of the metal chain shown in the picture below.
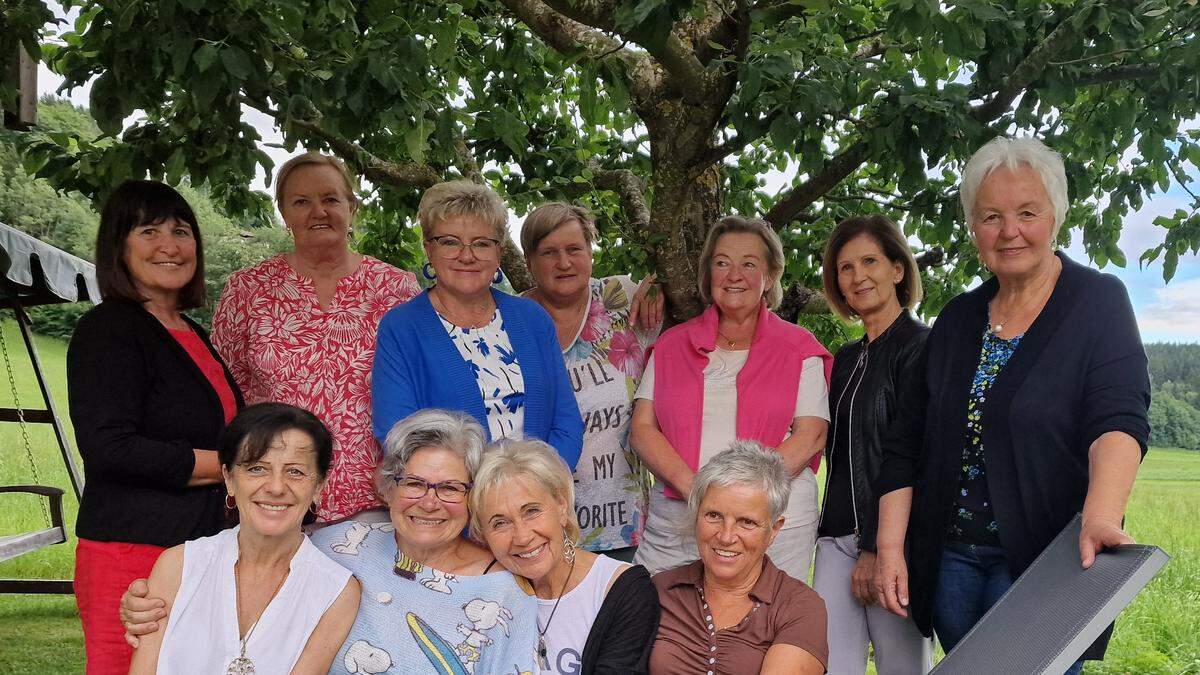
(12, 382)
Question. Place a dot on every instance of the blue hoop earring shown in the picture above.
(428, 273)
(498, 277)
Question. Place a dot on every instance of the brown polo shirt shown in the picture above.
(786, 611)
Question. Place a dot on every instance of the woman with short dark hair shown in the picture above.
(148, 398)
(260, 597)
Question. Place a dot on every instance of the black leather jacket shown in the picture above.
(865, 378)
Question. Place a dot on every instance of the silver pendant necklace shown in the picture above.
(242, 665)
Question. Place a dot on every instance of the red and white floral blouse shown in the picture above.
(282, 346)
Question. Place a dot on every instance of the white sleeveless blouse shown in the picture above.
(202, 630)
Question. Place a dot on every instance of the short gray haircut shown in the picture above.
(1011, 153)
(430, 428)
(462, 198)
(743, 463)
(773, 291)
(505, 461)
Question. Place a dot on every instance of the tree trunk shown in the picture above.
(686, 201)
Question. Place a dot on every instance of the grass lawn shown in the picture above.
(1158, 633)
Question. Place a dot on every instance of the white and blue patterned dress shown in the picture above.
(490, 354)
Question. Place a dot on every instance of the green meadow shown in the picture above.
(1159, 633)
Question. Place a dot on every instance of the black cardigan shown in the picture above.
(623, 632)
(139, 405)
(1080, 371)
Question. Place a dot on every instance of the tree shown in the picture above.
(69, 222)
(661, 114)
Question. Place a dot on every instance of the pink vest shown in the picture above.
(766, 385)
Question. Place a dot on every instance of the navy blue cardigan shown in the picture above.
(417, 366)
(1079, 372)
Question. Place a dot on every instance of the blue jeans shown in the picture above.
(971, 579)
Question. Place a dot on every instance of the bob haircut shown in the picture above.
(743, 463)
(1011, 153)
(774, 247)
(548, 217)
(535, 461)
(429, 428)
(462, 198)
(250, 435)
(133, 203)
(315, 159)
(887, 234)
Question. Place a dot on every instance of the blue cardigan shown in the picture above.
(417, 366)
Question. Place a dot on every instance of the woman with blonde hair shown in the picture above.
(596, 614)
(463, 345)
(300, 327)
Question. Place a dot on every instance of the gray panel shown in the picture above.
(1055, 610)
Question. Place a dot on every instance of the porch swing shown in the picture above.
(34, 273)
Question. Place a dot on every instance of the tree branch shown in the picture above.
(680, 62)
(568, 36)
(1118, 74)
(1030, 69)
(798, 299)
(630, 189)
(800, 197)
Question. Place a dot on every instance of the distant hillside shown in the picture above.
(1175, 402)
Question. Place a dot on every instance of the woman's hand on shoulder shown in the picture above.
(139, 614)
(647, 304)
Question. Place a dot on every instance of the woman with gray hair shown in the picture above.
(736, 372)
(596, 614)
(734, 610)
(463, 345)
(1029, 406)
(432, 600)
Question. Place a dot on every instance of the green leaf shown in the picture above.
(414, 141)
(205, 56)
(175, 167)
(236, 62)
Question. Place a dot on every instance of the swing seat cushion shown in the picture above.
(13, 545)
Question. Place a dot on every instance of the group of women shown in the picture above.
(476, 471)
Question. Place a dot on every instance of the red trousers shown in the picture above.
(103, 570)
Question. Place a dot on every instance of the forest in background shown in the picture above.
(69, 222)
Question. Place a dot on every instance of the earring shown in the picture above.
(499, 276)
(568, 548)
(427, 272)
(230, 502)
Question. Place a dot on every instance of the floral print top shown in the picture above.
(974, 521)
(490, 354)
(281, 345)
(604, 364)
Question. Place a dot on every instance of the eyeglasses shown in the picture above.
(449, 491)
(449, 248)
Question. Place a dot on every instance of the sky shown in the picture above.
(1165, 312)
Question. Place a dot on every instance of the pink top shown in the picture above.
(766, 385)
(281, 346)
(210, 366)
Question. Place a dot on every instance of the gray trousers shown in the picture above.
(900, 649)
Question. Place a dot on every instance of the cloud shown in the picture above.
(1174, 315)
